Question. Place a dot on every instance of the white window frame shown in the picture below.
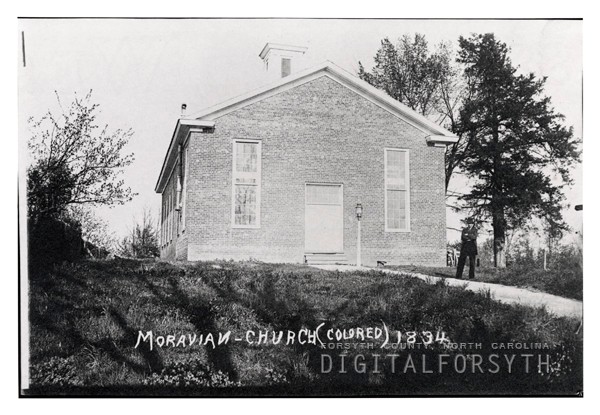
(169, 215)
(258, 184)
(164, 227)
(184, 188)
(332, 184)
(407, 192)
(171, 203)
(162, 220)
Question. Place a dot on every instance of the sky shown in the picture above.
(141, 71)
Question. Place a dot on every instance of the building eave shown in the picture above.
(441, 139)
(265, 50)
(182, 129)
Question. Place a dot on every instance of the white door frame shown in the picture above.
(341, 186)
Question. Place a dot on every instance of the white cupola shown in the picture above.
(282, 60)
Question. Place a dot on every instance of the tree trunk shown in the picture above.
(499, 225)
(498, 221)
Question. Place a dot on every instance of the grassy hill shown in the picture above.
(85, 320)
(564, 279)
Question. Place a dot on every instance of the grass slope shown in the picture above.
(566, 280)
(85, 317)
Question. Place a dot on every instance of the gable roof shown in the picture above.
(338, 74)
(435, 134)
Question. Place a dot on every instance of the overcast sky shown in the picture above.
(141, 71)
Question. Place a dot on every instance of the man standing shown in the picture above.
(468, 249)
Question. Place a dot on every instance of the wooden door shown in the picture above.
(324, 220)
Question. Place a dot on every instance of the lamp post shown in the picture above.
(359, 211)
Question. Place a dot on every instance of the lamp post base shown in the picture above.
(358, 253)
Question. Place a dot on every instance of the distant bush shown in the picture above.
(522, 254)
(563, 276)
(142, 241)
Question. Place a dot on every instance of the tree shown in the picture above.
(142, 242)
(518, 153)
(49, 189)
(453, 93)
(425, 81)
(93, 229)
(74, 162)
(409, 73)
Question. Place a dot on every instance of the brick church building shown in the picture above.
(278, 174)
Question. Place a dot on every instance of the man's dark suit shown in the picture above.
(467, 249)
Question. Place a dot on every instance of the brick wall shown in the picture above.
(317, 132)
(173, 237)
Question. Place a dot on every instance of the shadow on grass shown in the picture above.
(200, 315)
(69, 299)
(284, 301)
(68, 332)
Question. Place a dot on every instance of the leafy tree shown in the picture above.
(74, 162)
(425, 81)
(518, 154)
(142, 242)
(49, 190)
(410, 73)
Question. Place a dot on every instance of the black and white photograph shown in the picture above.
(300, 207)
